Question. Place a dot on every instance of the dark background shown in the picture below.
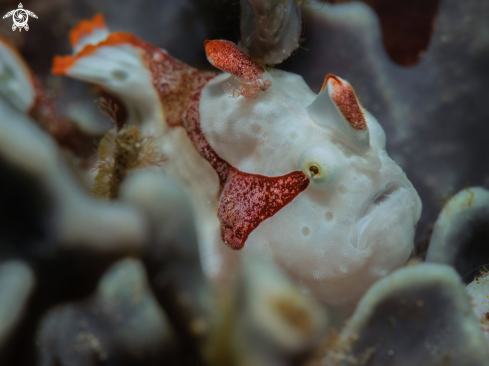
(420, 66)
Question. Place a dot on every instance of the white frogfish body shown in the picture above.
(272, 167)
(355, 221)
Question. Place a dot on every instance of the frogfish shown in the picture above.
(272, 167)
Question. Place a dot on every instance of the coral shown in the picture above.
(460, 239)
(270, 29)
(31, 152)
(17, 282)
(103, 328)
(277, 311)
(477, 291)
(22, 89)
(461, 232)
(418, 315)
(406, 27)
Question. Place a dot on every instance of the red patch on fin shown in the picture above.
(345, 99)
(245, 199)
(249, 199)
(227, 57)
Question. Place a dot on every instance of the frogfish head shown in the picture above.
(354, 220)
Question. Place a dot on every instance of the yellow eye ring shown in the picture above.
(314, 169)
(318, 164)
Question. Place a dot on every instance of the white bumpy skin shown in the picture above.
(356, 220)
(352, 224)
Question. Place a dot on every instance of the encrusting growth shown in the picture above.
(120, 150)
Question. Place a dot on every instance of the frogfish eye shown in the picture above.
(319, 165)
(314, 169)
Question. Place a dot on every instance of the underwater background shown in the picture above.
(420, 67)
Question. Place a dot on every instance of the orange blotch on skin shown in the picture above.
(86, 27)
(345, 99)
(227, 57)
(326, 79)
(61, 64)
